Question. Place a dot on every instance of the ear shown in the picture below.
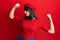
(25, 11)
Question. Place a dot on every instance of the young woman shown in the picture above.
(30, 22)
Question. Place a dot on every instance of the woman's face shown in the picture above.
(27, 13)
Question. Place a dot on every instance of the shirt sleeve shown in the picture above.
(19, 13)
(17, 18)
(45, 23)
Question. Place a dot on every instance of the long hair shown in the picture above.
(32, 13)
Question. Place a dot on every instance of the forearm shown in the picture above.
(11, 15)
(51, 30)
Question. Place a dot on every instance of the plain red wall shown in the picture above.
(9, 28)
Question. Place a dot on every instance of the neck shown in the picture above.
(34, 18)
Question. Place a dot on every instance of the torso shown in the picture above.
(31, 24)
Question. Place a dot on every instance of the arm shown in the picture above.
(11, 15)
(51, 30)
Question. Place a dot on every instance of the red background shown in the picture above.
(9, 28)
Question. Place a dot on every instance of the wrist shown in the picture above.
(14, 7)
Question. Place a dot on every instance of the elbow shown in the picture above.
(11, 17)
(51, 32)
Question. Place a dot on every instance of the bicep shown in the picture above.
(45, 28)
(17, 18)
(19, 14)
(45, 25)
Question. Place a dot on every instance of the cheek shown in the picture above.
(27, 13)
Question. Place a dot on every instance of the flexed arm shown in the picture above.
(11, 15)
(52, 29)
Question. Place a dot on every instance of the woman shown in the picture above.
(30, 22)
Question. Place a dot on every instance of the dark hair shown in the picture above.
(32, 14)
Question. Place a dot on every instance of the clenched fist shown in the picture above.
(17, 5)
(49, 16)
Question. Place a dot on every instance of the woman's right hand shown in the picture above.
(17, 5)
